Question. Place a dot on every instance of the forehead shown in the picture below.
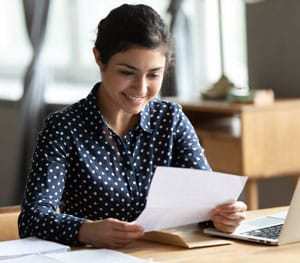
(140, 57)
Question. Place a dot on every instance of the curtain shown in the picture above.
(32, 103)
(181, 80)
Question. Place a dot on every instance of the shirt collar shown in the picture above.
(145, 118)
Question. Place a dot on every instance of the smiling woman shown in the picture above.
(95, 159)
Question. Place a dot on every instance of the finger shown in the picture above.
(235, 213)
(122, 239)
(233, 216)
(125, 226)
(124, 232)
(225, 228)
(233, 204)
(225, 221)
(233, 220)
(232, 207)
(224, 225)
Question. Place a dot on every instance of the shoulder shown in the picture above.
(162, 114)
(66, 114)
(164, 106)
(75, 112)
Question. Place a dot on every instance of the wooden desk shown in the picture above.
(239, 251)
(256, 141)
(9, 223)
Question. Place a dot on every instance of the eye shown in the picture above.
(126, 73)
(154, 75)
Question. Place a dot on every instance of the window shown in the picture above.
(234, 41)
(71, 32)
(234, 35)
(73, 67)
(15, 49)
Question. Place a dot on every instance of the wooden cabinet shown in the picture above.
(259, 141)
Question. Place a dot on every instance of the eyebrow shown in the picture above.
(134, 68)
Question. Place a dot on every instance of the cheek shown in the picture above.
(117, 81)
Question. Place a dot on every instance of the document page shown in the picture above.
(97, 255)
(82, 255)
(180, 196)
(29, 246)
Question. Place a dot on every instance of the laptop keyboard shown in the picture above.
(271, 232)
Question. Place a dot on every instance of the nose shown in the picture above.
(141, 85)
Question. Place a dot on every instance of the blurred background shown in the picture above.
(46, 62)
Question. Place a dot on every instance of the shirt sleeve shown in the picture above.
(44, 188)
(188, 151)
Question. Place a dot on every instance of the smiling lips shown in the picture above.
(135, 99)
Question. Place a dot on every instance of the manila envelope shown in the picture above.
(188, 236)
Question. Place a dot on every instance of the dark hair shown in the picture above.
(130, 25)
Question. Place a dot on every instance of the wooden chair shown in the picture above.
(9, 223)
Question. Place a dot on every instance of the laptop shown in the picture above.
(273, 229)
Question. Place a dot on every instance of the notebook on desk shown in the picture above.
(274, 229)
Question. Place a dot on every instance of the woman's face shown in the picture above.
(132, 78)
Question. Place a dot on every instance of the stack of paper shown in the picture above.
(31, 259)
(29, 246)
(84, 255)
(37, 250)
(98, 255)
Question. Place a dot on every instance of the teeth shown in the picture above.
(134, 97)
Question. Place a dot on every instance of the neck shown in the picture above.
(121, 125)
(118, 120)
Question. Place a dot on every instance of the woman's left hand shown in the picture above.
(227, 217)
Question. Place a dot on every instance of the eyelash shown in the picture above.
(154, 75)
(129, 73)
(126, 73)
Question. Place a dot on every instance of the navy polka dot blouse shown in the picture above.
(82, 168)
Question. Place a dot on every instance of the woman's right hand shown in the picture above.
(109, 233)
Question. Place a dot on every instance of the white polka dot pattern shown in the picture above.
(83, 167)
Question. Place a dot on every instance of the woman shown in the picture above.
(95, 159)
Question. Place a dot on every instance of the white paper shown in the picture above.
(97, 256)
(81, 256)
(180, 196)
(31, 259)
(29, 246)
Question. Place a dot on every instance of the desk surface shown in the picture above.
(239, 251)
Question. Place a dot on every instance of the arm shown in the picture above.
(46, 185)
(44, 189)
(187, 149)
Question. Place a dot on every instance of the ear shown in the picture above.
(97, 57)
